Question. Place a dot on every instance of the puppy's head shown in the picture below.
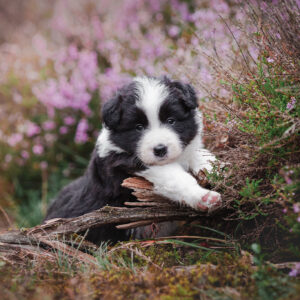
(153, 119)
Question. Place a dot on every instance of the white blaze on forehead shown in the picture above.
(152, 93)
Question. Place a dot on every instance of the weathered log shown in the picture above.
(35, 242)
(113, 216)
(56, 234)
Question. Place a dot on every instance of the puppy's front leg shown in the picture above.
(202, 159)
(174, 183)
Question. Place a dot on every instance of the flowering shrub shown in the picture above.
(158, 37)
(59, 89)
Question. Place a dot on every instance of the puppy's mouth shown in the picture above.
(161, 161)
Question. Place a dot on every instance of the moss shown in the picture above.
(225, 276)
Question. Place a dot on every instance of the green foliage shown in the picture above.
(270, 109)
(101, 256)
(30, 213)
(268, 112)
(251, 190)
(264, 100)
(270, 283)
(32, 209)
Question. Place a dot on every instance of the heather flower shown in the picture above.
(232, 123)
(32, 129)
(88, 67)
(44, 165)
(270, 60)
(77, 70)
(8, 158)
(39, 43)
(49, 138)
(288, 180)
(81, 132)
(77, 79)
(69, 120)
(296, 207)
(25, 154)
(110, 81)
(17, 97)
(291, 103)
(63, 130)
(221, 6)
(14, 139)
(48, 125)
(73, 52)
(295, 271)
(264, 6)
(38, 149)
(173, 31)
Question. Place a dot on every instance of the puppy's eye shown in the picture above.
(139, 127)
(171, 121)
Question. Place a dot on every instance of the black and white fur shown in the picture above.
(152, 128)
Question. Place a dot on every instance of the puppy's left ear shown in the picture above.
(189, 94)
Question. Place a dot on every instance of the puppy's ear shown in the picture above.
(112, 112)
(189, 95)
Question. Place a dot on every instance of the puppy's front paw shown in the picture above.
(211, 201)
(206, 200)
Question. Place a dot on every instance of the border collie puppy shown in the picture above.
(151, 128)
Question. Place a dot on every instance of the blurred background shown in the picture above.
(61, 59)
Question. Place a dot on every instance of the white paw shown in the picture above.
(208, 200)
(212, 200)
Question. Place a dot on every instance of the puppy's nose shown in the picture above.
(160, 150)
